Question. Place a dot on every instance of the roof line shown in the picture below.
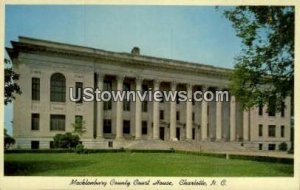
(26, 39)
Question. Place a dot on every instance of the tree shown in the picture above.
(10, 85)
(67, 140)
(79, 126)
(264, 70)
(8, 140)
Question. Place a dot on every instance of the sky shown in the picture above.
(198, 34)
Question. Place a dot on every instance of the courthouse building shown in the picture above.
(48, 69)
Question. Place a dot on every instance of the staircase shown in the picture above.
(186, 146)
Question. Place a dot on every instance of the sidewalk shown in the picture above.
(258, 153)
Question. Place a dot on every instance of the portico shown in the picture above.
(190, 126)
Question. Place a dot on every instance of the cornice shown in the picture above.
(97, 55)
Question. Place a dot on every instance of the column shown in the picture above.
(232, 119)
(156, 112)
(189, 112)
(204, 118)
(138, 110)
(173, 114)
(246, 125)
(119, 112)
(100, 108)
(218, 120)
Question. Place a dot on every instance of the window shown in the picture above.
(260, 130)
(144, 128)
(282, 130)
(107, 86)
(79, 91)
(126, 103)
(193, 116)
(106, 126)
(260, 109)
(177, 115)
(272, 147)
(161, 115)
(145, 90)
(35, 93)
(272, 130)
(162, 97)
(35, 144)
(272, 106)
(282, 109)
(58, 88)
(144, 103)
(110, 144)
(144, 106)
(35, 121)
(126, 127)
(57, 122)
(260, 146)
(52, 145)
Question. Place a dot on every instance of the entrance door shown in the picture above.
(162, 133)
(178, 133)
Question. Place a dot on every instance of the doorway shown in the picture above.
(162, 133)
(178, 133)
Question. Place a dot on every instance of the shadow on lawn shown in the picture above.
(23, 168)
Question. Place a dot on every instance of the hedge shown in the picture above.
(216, 155)
(263, 159)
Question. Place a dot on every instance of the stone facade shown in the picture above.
(167, 121)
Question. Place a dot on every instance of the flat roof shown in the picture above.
(31, 44)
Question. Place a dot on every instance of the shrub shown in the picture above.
(8, 140)
(79, 149)
(79, 126)
(66, 140)
(39, 151)
(291, 151)
(283, 146)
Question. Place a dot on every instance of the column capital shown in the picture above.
(220, 88)
(205, 87)
(139, 80)
(100, 75)
(173, 85)
(120, 77)
(189, 86)
(156, 81)
(232, 98)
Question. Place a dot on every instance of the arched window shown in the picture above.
(58, 88)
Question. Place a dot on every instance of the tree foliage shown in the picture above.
(67, 140)
(10, 85)
(8, 140)
(265, 67)
(79, 126)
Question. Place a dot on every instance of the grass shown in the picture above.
(136, 164)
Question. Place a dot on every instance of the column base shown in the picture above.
(173, 139)
(119, 138)
(99, 138)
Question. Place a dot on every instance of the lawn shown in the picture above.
(136, 164)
